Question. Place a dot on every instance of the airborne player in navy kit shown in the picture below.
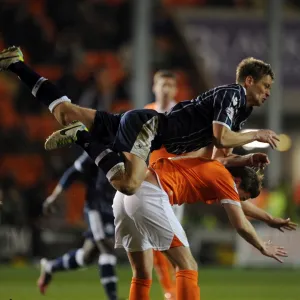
(120, 144)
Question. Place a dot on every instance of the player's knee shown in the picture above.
(88, 257)
(127, 190)
(142, 273)
(129, 187)
(193, 265)
(188, 264)
(65, 113)
(60, 112)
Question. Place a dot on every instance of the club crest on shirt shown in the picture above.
(234, 101)
(230, 112)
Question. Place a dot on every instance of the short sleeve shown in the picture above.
(226, 190)
(225, 103)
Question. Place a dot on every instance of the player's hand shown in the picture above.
(267, 136)
(258, 160)
(273, 251)
(282, 224)
(49, 205)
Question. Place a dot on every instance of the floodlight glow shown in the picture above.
(284, 144)
(255, 144)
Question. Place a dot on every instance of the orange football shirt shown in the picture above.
(190, 180)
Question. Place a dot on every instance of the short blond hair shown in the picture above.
(251, 66)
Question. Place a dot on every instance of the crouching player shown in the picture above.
(146, 221)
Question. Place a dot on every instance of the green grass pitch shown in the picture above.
(215, 284)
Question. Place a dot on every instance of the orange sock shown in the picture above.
(165, 273)
(140, 289)
(187, 285)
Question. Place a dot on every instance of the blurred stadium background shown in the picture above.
(110, 49)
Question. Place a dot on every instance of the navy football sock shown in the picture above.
(108, 277)
(43, 89)
(69, 261)
(109, 161)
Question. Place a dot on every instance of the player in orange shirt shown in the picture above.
(164, 90)
(146, 221)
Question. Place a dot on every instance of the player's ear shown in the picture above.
(237, 181)
(249, 81)
(154, 86)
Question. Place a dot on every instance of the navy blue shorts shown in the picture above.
(137, 131)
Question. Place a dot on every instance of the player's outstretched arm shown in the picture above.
(257, 213)
(65, 181)
(247, 232)
(225, 138)
(49, 203)
(225, 156)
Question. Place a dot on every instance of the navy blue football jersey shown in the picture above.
(189, 123)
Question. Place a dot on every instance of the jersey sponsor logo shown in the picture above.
(230, 112)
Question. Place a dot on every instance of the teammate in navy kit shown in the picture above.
(99, 239)
(120, 144)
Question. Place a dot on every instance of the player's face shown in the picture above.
(258, 91)
(243, 194)
(165, 88)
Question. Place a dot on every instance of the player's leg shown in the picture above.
(128, 180)
(127, 236)
(123, 164)
(100, 124)
(165, 274)
(136, 134)
(141, 264)
(154, 218)
(107, 268)
(44, 90)
(163, 267)
(72, 260)
(102, 227)
(186, 273)
(185, 264)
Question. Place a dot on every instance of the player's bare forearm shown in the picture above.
(242, 225)
(223, 137)
(248, 233)
(230, 139)
(235, 160)
(251, 210)
(257, 160)
(257, 213)
(228, 159)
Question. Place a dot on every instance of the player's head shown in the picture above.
(164, 85)
(248, 181)
(257, 77)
